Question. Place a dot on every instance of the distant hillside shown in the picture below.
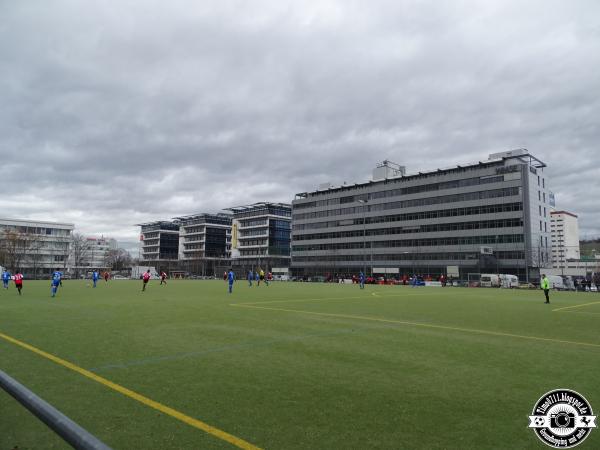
(586, 247)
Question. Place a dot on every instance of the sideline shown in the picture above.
(423, 325)
(223, 435)
(575, 306)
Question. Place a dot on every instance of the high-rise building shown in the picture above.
(204, 243)
(36, 248)
(486, 217)
(204, 236)
(159, 241)
(564, 228)
(260, 236)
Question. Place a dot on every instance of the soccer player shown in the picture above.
(145, 279)
(19, 281)
(230, 279)
(256, 278)
(261, 276)
(5, 278)
(163, 278)
(106, 276)
(361, 280)
(56, 281)
(95, 276)
(545, 285)
(250, 278)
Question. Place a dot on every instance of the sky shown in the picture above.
(116, 113)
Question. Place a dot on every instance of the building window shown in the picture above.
(538, 180)
(544, 197)
(540, 209)
(544, 211)
(543, 183)
(540, 225)
(539, 196)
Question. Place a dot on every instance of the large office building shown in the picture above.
(491, 216)
(159, 241)
(246, 237)
(564, 229)
(204, 242)
(261, 236)
(36, 248)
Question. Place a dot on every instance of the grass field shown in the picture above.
(295, 365)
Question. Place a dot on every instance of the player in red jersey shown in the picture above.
(163, 278)
(19, 281)
(145, 279)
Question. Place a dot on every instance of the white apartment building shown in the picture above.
(97, 249)
(36, 248)
(564, 229)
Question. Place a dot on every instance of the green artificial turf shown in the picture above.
(316, 366)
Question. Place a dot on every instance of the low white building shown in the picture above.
(36, 248)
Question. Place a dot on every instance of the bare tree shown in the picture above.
(118, 259)
(34, 245)
(16, 248)
(13, 246)
(80, 249)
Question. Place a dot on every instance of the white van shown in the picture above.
(489, 280)
(556, 282)
(509, 281)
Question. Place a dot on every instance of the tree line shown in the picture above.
(20, 249)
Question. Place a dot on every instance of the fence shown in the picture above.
(72, 433)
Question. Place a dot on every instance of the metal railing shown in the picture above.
(72, 433)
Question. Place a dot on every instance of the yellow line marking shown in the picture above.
(575, 306)
(240, 443)
(427, 325)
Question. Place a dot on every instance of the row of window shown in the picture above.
(411, 257)
(257, 232)
(431, 242)
(402, 191)
(253, 223)
(420, 176)
(454, 198)
(485, 224)
(468, 211)
(275, 211)
(280, 224)
(37, 230)
(251, 242)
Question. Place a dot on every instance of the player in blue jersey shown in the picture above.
(95, 276)
(56, 280)
(5, 278)
(230, 279)
(250, 277)
(361, 280)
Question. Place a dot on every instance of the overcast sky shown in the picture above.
(114, 113)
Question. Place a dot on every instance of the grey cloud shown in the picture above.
(112, 116)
